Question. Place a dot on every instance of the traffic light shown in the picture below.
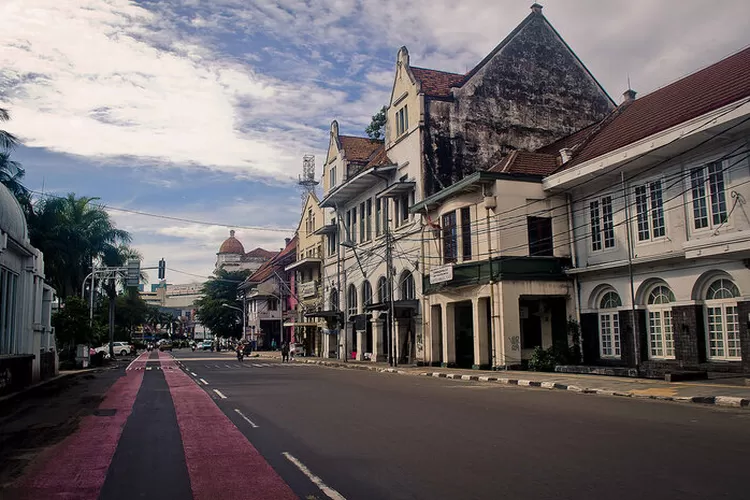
(133, 275)
(162, 269)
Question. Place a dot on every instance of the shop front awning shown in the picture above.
(323, 314)
(397, 305)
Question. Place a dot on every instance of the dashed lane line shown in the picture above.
(204, 382)
(193, 374)
(252, 424)
(329, 492)
(218, 393)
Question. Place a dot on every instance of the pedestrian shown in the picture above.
(273, 344)
(284, 352)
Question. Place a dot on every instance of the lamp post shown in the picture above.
(242, 311)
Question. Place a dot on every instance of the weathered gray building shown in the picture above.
(528, 92)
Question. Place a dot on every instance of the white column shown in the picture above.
(435, 352)
(449, 334)
(361, 341)
(481, 332)
(378, 330)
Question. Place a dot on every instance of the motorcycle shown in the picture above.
(193, 346)
(240, 355)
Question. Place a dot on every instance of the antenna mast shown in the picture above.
(307, 182)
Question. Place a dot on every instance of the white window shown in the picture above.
(8, 291)
(661, 336)
(333, 176)
(351, 300)
(709, 196)
(609, 325)
(602, 224)
(408, 290)
(402, 121)
(649, 206)
(378, 216)
(722, 320)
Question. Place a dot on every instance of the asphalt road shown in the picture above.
(371, 435)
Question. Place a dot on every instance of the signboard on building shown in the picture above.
(441, 274)
(307, 289)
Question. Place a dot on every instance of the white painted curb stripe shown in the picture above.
(204, 382)
(218, 393)
(252, 424)
(329, 492)
(193, 374)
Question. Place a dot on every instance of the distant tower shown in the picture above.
(307, 180)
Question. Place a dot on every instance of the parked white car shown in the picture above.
(120, 348)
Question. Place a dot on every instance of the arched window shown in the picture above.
(660, 332)
(351, 300)
(366, 294)
(408, 291)
(609, 325)
(335, 300)
(383, 293)
(722, 320)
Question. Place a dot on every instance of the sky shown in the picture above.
(202, 110)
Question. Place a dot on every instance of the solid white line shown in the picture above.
(330, 492)
(218, 392)
(252, 424)
(206, 383)
(193, 374)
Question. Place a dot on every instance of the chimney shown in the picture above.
(536, 8)
(286, 241)
(231, 233)
(628, 95)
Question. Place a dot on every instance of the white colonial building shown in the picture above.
(658, 198)
(27, 340)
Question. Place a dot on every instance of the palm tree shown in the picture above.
(7, 140)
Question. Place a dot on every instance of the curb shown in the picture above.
(722, 401)
(59, 377)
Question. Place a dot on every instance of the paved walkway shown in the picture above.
(703, 392)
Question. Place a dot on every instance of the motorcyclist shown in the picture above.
(240, 352)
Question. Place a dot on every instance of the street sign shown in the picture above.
(441, 274)
(133, 275)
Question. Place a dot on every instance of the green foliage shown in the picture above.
(376, 128)
(221, 289)
(561, 353)
(130, 311)
(71, 323)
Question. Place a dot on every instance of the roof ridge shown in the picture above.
(438, 70)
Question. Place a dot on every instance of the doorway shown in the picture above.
(464, 318)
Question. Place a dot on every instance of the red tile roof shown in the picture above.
(379, 158)
(358, 149)
(260, 253)
(711, 88)
(569, 141)
(437, 83)
(526, 162)
(268, 268)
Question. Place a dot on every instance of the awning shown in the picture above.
(301, 323)
(355, 185)
(397, 305)
(397, 189)
(327, 229)
(303, 263)
(323, 314)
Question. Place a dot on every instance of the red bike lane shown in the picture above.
(221, 461)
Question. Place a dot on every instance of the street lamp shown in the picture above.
(244, 320)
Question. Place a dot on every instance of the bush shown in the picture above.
(545, 360)
(542, 360)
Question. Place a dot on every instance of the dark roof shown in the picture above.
(379, 158)
(711, 88)
(526, 162)
(259, 253)
(358, 149)
(437, 83)
(268, 268)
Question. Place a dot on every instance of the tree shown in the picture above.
(11, 171)
(219, 290)
(7, 140)
(130, 311)
(71, 324)
(376, 128)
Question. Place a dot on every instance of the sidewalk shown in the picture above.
(710, 392)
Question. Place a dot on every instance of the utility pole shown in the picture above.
(633, 324)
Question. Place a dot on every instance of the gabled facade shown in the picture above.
(266, 299)
(529, 91)
(660, 228)
(306, 274)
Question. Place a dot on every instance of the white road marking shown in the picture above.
(206, 383)
(148, 368)
(252, 424)
(329, 492)
(136, 359)
(218, 392)
(228, 366)
(193, 374)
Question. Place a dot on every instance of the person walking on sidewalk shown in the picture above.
(284, 352)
